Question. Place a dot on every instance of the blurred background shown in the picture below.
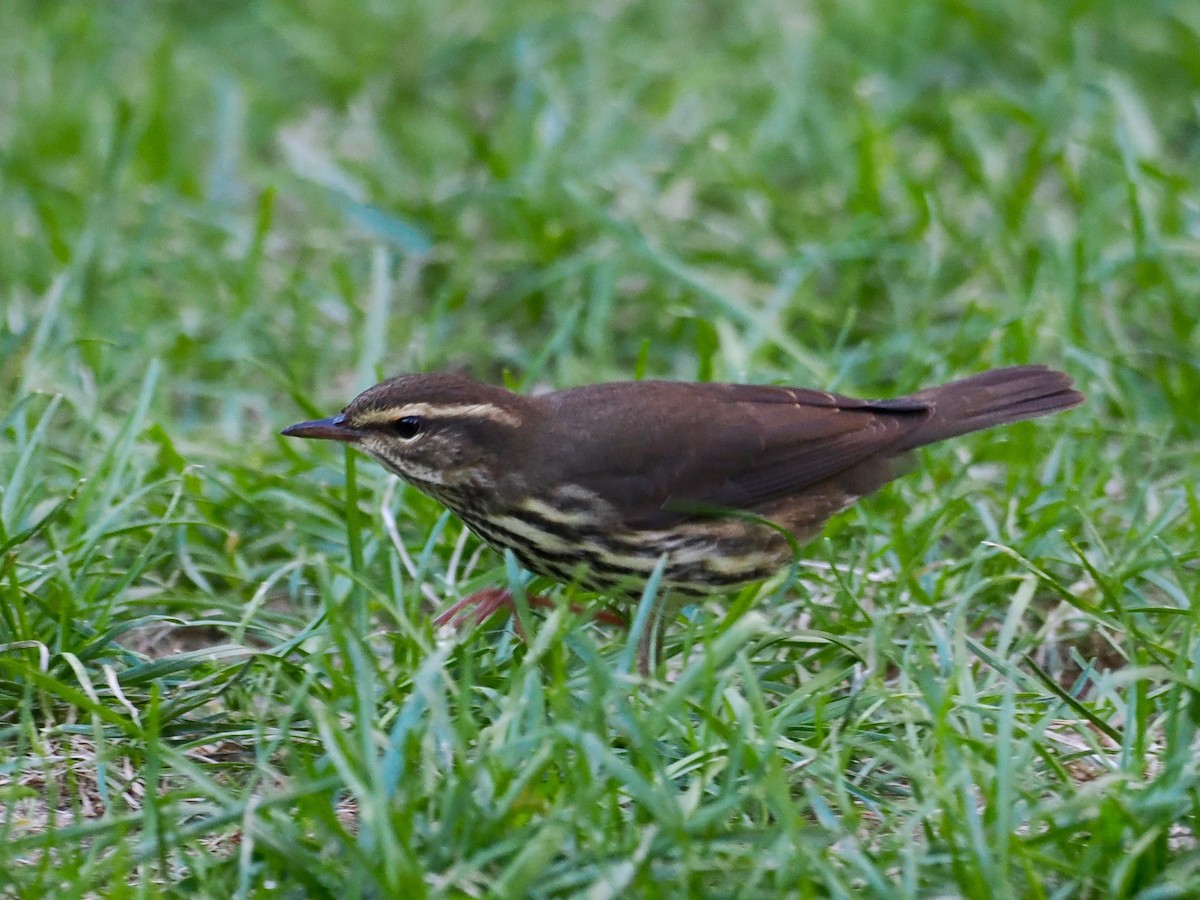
(272, 197)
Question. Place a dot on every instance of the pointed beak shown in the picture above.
(331, 429)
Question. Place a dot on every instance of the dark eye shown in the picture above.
(408, 427)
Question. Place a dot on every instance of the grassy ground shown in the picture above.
(217, 671)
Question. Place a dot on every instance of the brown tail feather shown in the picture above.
(992, 398)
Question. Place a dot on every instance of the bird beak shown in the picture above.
(331, 429)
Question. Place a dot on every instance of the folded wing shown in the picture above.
(728, 447)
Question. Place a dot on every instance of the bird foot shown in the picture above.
(482, 605)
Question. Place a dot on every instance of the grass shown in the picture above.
(218, 675)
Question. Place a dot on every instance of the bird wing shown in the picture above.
(661, 452)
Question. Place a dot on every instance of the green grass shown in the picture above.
(218, 675)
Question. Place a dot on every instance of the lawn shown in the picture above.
(218, 672)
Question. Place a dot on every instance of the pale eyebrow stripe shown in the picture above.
(437, 411)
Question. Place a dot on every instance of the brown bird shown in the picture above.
(595, 484)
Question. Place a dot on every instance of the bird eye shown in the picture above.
(408, 427)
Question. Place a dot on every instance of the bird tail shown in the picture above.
(989, 399)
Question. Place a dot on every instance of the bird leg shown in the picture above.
(482, 605)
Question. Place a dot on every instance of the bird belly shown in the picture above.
(701, 556)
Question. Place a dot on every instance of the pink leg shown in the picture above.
(482, 605)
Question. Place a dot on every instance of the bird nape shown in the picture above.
(595, 485)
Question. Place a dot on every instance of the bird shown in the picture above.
(714, 484)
